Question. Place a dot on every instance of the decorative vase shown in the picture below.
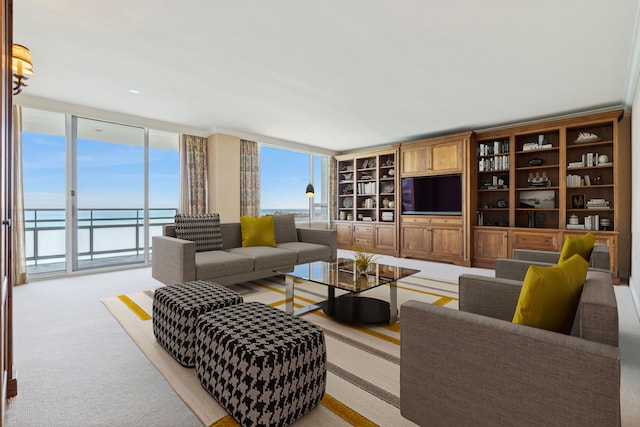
(385, 203)
(362, 269)
(392, 204)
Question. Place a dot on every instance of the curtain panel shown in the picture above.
(249, 178)
(333, 188)
(19, 258)
(193, 175)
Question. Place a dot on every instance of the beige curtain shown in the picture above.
(193, 175)
(333, 188)
(19, 259)
(249, 178)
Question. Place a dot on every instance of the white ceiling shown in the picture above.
(337, 74)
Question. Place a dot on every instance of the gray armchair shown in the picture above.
(473, 367)
(516, 267)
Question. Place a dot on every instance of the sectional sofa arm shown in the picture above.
(516, 269)
(173, 260)
(489, 296)
(536, 256)
(600, 257)
(321, 237)
(458, 368)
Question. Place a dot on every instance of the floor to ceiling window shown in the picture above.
(95, 194)
(44, 169)
(284, 175)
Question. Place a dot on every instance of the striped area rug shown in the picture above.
(363, 370)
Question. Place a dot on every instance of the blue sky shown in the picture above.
(111, 175)
(284, 176)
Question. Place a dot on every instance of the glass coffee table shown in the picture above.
(349, 306)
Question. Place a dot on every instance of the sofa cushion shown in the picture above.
(266, 257)
(285, 228)
(582, 246)
(257, 231)
(202, 229)
(549, 296)
(307, 252)
(221, 263)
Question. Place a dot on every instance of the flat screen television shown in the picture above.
(432, 195)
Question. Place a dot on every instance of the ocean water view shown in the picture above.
(102, 232)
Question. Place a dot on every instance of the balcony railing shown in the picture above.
(105, 236)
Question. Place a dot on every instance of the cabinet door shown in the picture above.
(489, 245)
(447, 242)
(344, 235)
(445, 157)
(415, 240)
(386, 239)
(415, 161)
(542, 241)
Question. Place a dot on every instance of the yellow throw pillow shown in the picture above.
(257, 231)
(582, 246)
(549, 296)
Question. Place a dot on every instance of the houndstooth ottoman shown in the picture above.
(265, 367)
(176, 309)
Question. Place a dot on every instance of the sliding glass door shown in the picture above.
(95, 191)
(44, 170)
(108, 194)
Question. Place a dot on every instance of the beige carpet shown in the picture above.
(363, 361)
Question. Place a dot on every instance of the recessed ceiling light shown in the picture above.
(135, 91)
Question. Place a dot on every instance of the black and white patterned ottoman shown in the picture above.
(265, 367)
(176, 309)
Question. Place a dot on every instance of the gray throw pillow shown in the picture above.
(203, 229)
(284, 227)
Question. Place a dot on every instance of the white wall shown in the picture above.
(224, 176)
(634, 279)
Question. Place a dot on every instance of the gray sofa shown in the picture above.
(515, 268)
(472, 366)
(176, 260)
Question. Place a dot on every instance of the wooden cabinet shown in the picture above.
(537, 240)
(547, 180)
(344, 234)
(363, 235)
(489, 244)
(415, 237)
(436, 156)
(367, 201)
(386, 238)
(447, 240)
(435, 238)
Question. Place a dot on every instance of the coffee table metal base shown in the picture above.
(349, 307)
(358, 309)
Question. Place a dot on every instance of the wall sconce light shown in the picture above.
(22, 67)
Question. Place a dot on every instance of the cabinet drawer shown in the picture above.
(446, 221)
(363, 242)
(360, 229)
(540, 241)
(415, 220)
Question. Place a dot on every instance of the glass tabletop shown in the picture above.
(341, 273)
